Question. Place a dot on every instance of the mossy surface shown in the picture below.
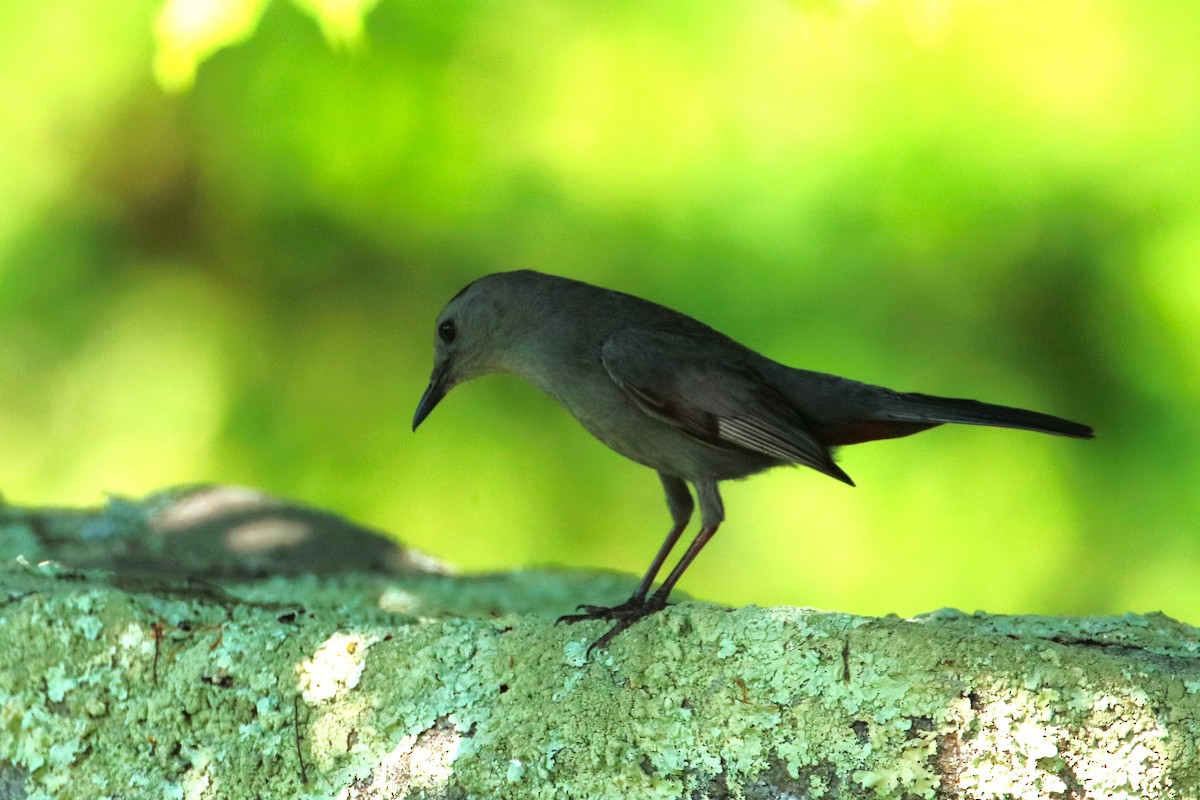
(424, 685)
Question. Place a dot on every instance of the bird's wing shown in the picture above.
(698, 385)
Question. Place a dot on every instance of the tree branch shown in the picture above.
(159, 655)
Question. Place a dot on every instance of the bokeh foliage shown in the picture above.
(226, 228)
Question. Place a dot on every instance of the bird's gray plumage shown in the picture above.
(669, 392)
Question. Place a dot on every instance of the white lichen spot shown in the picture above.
(34, 741)
(1025, 748)
(85, 603)
(515, 771)
(133, 637)
(58, 684)
(89, 625)
(1078, 699)
(420, 764)
(569, 683)
(575, 653)
(335, 667)
(397, 601)
(62, 754)
(197, 779)
(250, 731)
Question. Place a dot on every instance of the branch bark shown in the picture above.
(214, 642)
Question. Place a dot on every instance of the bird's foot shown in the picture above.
(624, 615)
(636, 607)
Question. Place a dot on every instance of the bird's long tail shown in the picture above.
(926, 409)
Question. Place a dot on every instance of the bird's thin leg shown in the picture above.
(712, 513)
(668, 545)
(679, 500)
(689, 555)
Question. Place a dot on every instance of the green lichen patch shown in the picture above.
(433, 686)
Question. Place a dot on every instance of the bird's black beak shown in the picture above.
(433, 395)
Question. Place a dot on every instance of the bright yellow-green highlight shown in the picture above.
(189, 31)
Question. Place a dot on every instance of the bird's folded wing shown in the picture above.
(700, 386)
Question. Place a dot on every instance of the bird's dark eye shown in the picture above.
(446, 331)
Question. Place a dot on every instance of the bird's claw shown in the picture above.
(633, 608)
(624, 616)
(586, 612)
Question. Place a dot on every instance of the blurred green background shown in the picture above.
(226, 227)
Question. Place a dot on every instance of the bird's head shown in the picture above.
(477, 333)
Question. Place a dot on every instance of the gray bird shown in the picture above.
(669, 392)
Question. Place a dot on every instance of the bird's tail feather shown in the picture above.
(923, 408)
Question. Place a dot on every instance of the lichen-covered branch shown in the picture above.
(390, 678)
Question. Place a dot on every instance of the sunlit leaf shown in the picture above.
(341, 21)
(189, 31)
